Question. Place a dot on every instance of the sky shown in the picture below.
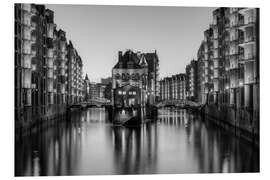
(99, 32)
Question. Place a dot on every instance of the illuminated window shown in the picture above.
(124, 92)
(120, 92)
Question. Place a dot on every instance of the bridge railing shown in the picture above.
(177, 103)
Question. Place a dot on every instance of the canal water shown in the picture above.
(177, 142)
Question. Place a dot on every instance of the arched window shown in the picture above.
(133, 76)
(127, 76)
(117, 76)
(123, 76)
(137, 76)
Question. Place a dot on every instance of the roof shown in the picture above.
(129, 60)
(86, 77)
(152, 60)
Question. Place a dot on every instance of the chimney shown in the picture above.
(119, 55)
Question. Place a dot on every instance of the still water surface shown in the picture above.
(178, 142)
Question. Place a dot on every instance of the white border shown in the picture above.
(7, 85)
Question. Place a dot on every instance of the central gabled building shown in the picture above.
(134, 79)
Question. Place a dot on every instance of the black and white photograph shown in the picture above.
(135, 90)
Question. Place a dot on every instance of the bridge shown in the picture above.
(92, 103)
(178, 103)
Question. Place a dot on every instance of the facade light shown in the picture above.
(241, 84)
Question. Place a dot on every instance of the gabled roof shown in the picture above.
(128, 60)
(143, 61)
(86, 77)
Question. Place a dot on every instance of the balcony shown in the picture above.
(233, 37)
(216, 86)
(50, 73)
(33, 24)
(62, 79)
(33, 36)
(214, 20)
(216, 75)
(233, 65)
(249, 56)
(63, 46)
(34, 67)
(216, 64)
(26, 7)
(241, 40)
(63, 56)
(28, 99)
(249, 15)
(49, 53)
(50, 63)
(206, 71)
(233, 50)
(33, 51)
(54, 67)
(215, 35)
(62, 72)
(63, 65)
(26, 78)
(249, 39)
(216, 54)
(50, 86)
(227, 52)
(49, 43)
(241, 22)
(241, 58)
(233, 10)
(215, 44)
(250, 18)
(249, 73)
(62, 89)
(206, 64)
(26, 61)
(233, 23)
(34, 86)
(205, 47)
(26, 19)
(249, 79)
(26, 47)
(50, 28)
(26, 33)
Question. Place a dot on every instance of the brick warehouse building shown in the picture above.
(41, 67)
(139, 70)
(130, 80)
(230, 52)
(173, 88)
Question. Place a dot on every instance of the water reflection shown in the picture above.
(179, 142)
(212, 149)
(135, 149)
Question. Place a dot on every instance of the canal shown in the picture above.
(178, 142)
